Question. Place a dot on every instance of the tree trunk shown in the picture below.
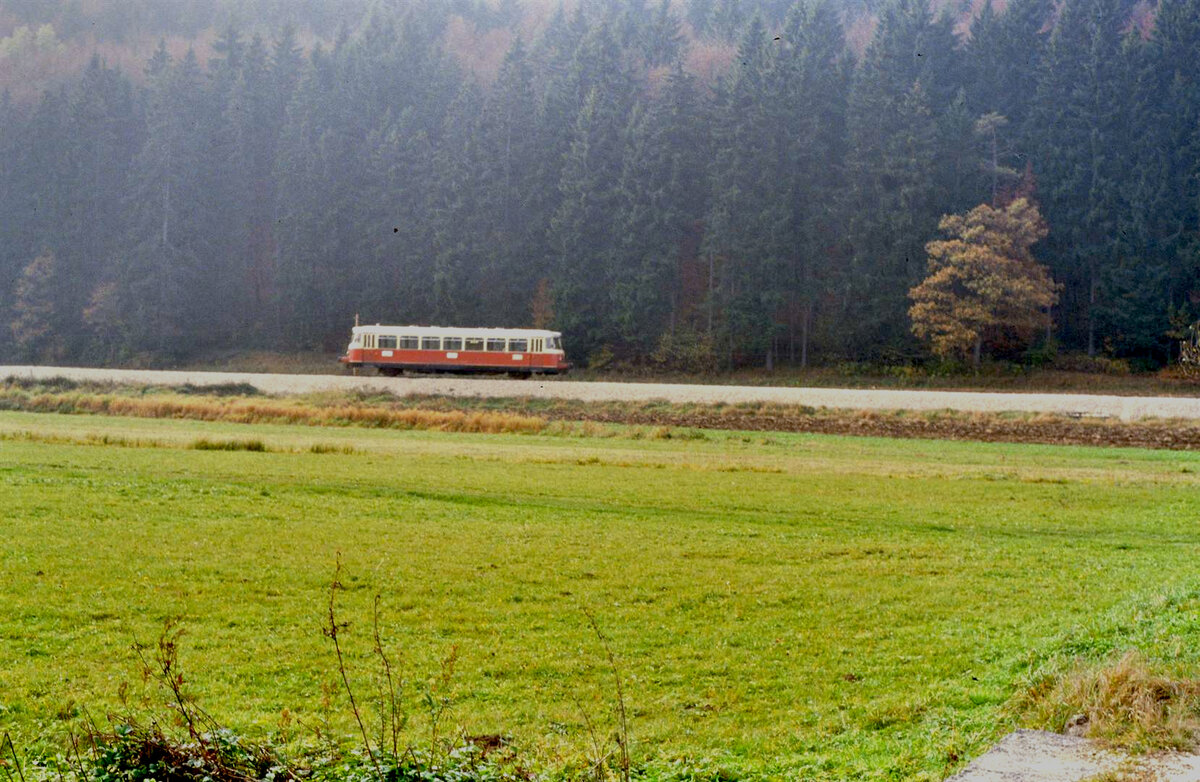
(805, 318)
(1091, 316)
(978, 351)
(792, 329)
(712, 299)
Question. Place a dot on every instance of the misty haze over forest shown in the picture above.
(705, 182)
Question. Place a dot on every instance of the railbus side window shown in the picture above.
(369, 341)
(431, 343)
(518, 345)
(409, 343)
(473, 343)
(495, 345)
(452, 343)
(387, 343)
(537, 345)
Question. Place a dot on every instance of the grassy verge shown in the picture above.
(783, 606)
(662, 420)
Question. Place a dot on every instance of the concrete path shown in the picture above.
(1038, 756)
(1126, 408)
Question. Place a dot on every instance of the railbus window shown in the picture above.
(473, 343)
(387, 343)
(368, 341)
(495, 344)
(408, 343)
(431, 343)
(452, 343)
(518, 345)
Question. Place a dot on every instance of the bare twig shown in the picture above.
(8, 742)
(393, 704)
(441, 703)
(331, 632)
(165, 667)
(622, 720)
(599, 755)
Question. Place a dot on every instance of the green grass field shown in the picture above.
(782, 606)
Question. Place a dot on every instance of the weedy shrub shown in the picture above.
(49, 384)
(1123, 701)
(204, 444)
(218, 389)
(330, 448)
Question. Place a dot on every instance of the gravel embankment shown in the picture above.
(1125, 408)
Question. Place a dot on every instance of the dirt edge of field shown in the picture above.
(978, 427)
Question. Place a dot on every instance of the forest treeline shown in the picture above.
(777, 213)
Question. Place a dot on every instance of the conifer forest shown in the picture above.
(700, 183)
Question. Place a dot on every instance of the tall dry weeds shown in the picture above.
(1126, 702)
(258, 411)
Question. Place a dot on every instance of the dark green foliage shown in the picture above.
(774, 211)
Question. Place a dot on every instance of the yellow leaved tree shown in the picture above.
(982, 279)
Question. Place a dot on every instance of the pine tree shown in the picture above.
(582, 228)
(1077, 159)
(161, 269)
(660, 196)
(1003, 56)
(661, 40)
(107, 133)
(518, 188)
(35, 329)
(16, 203)
(898, 181)
(581, 232)
(746, 224)
(813, 78)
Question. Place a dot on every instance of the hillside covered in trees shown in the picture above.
(708, 182)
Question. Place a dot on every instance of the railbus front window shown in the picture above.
(431, 343)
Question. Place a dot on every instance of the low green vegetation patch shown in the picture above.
(786, 606)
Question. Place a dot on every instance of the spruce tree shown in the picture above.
(1077, 155)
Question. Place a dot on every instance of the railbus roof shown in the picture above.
(452, 331)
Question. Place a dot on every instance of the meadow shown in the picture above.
(777, 606)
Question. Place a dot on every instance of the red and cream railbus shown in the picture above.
(393, 349)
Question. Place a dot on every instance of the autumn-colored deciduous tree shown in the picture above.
(981, 279)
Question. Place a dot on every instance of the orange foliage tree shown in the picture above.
(982, 278)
